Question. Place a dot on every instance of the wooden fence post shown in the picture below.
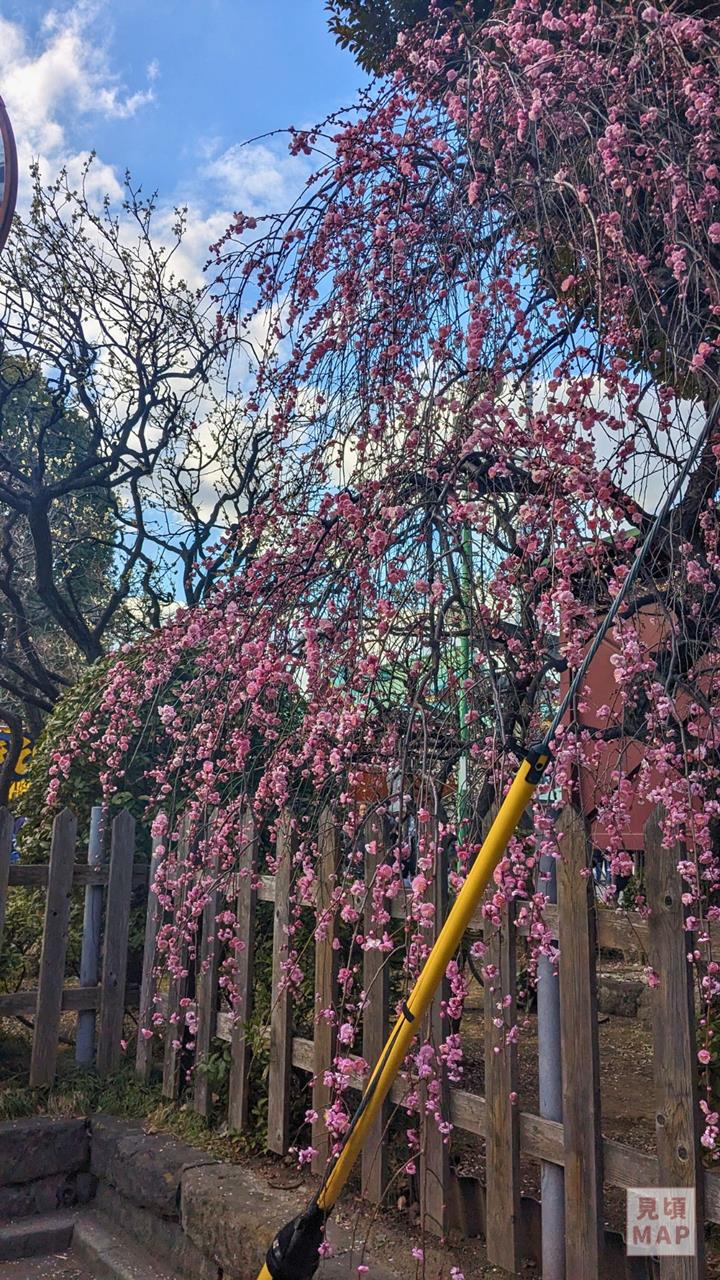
(376, 1014)
(326, 968)
(91, 942)
(7, 825)
(206, 988)
(54, 945)
(552, 1175)
(280, 1016)
(584, 1219)
(177, 988)
(245, 911)
(502, 1149)
(675, 1050)
(435, 1154)
(117, 921)
(148, 985)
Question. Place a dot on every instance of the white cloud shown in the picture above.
(64, 74)
(256, 177)
(98, 178)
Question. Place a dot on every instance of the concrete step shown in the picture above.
(110, 1255)
(43, 1233)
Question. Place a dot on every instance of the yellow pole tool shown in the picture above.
(293, 1254)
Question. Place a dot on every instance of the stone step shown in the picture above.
(110, 1255)
(49, 1266)
(43, 1233)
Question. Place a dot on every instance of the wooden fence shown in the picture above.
(53, 996)
(591, 1163)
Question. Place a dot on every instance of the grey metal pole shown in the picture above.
(552, 1176)
(90, 954)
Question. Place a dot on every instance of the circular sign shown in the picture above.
(8, 174)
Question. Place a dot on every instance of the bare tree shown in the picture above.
(124, 456)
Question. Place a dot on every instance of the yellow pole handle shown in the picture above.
(432, 973)
(408, 1024)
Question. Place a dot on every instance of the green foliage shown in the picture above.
(22, 938)
(81, 1091)
(39, 429)
(370, 28)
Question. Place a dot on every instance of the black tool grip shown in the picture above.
(294, 1253)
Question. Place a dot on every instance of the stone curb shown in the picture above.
(231, 1214)
(41, 1146)
(145, 1168)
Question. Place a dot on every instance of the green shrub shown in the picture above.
(22, 938)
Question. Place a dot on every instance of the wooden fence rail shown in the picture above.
(590, 1162)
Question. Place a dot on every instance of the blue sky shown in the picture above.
(170, 88)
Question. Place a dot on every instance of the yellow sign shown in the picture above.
(20, 781)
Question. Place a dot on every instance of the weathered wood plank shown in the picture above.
(542, 1139)
(552, 1178)
(675, 1051)
(7, 825)
(177, 991)
(584, 1221)
(91, 942)
(503, 1231)
(376, 1011)
(266, 889)
(148, 982)
(245, 912)
(117, 921)
(34, 875)
(54, 945)
(207, 994)
(326, 968)
(174, 1028)
(281, 1015)
(74, 1000)
(616, 930)
(435, 1155)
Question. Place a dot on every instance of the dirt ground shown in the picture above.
(627, 1088)
(392, 1236)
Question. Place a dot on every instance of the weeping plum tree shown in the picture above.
(491, 338)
